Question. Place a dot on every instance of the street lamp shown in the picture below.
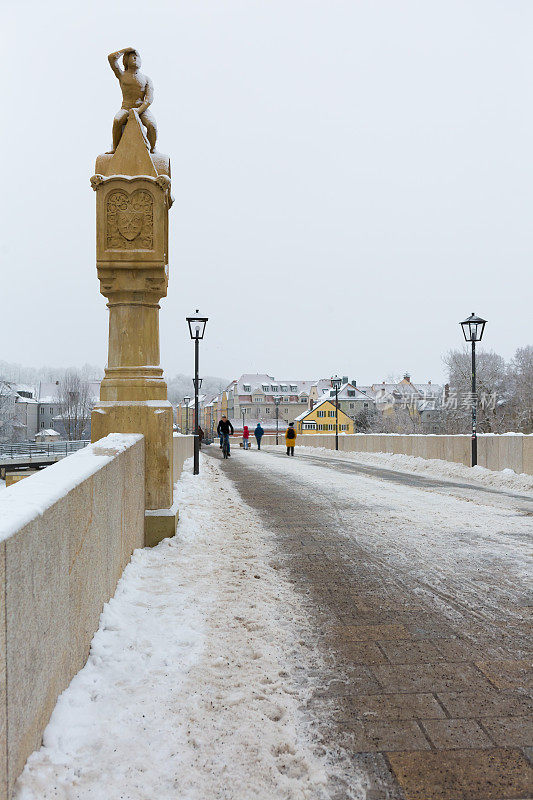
(336, 382)
(473, 328)
(187, 400)
(196, 329)
(277, 401)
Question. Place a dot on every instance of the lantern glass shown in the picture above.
(473, 328)
(197, 325)
(186, 400)
(336, 382)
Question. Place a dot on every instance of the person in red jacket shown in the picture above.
(245, 436)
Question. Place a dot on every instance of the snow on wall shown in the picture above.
(495, 451)
(182, 450)
(66, 535)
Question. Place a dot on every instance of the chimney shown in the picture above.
(345, 379)
(354, 382)
(407, 377)
(429, 383)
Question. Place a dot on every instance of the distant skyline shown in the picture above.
(351, 179)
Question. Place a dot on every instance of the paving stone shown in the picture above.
(486, 704)
(371, 736)
(509, 674)
(456, 733)
(457, 650)
(510, 731)
(428, 677)
(410, 652)
(363, 653)
(394, 707)
(492, 774)
(359, 679)
(359, 633)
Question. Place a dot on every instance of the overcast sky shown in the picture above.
(351, 179)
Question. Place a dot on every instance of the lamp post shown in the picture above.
(277, 401)
(196, 329)
(187, 400)
(473, 328)
(336, 382)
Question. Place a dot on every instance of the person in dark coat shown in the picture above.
(224, 428)
(258, 433)
(201, 435)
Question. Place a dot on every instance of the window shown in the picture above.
(331, 413)
(42, 424)
(265, 388)
(283, 388)
(365, 405)
(267, 411)
(274, 388)
(352, 405)
(321, 413)
(51, 412)
(258, 399)
(351, 392)
(294, 388)
(41, 410)
(247, 388)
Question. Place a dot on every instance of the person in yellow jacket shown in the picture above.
(290, 439)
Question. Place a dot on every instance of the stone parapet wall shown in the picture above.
(66, 534)
(495, 451)
(183, 445)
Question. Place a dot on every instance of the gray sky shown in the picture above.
(351, 179)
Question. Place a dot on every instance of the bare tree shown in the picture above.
(75, 404)
(7, 411)
(492, 389)
(521, 388)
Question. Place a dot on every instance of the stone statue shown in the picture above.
(137, 95)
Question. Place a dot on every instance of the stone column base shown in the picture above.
(152, 418)
(159, 524)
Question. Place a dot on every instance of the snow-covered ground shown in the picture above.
(189, 691)
(432, 467)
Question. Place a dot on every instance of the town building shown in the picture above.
(418, 407)
(352, 400)
(322, 419)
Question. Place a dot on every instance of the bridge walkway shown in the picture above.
(416, 594)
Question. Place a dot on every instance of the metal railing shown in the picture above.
(32, 449)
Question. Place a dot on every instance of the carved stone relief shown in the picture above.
(129, 220)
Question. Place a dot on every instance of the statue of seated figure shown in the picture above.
(137, 94)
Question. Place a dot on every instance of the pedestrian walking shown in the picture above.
(224, 428)
(290, 439)
(258, 433)
(245, 437)
(201, 435)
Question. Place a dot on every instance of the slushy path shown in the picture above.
(417, 593)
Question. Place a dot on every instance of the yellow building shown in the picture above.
(321, 419)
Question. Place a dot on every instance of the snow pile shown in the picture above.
(432, 467)
(187, 690)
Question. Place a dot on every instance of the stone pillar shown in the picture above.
(132, 202)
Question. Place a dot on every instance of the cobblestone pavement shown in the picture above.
(426, 692)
